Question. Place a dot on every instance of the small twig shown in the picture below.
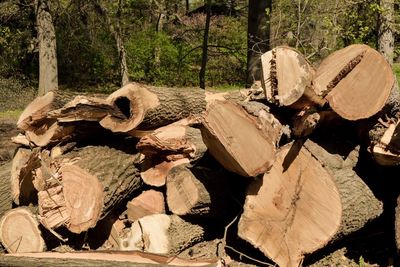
(250, 258)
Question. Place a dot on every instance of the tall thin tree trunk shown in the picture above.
(202, 74)
(385, 32)
(159, 29)
(117, 34)
(187, 6)
(121, 48)
(257, 37)
(48, 74)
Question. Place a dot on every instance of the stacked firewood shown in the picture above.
(153, 168)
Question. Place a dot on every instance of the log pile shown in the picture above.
(148, 172)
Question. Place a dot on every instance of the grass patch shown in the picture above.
(10, 114)
(396, 69)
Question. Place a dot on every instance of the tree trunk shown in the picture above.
(385, 32)
(257, 37)
(48, 76)
(204, 56)
(146, 107)
(277, 216)
(117, 34)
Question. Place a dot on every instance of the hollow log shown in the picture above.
(87, 182)
(397, 224)
(147, 203)
(308, 198)
(241, 142)
(287, 77)
(357, 82)
(95, 258)
(197, 191)
(146, 107)
(19, 232)
(162, 234)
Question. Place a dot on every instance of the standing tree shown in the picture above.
(116, 31)
(202, 74)
(385, 32)
(257, 37)
(48, 74)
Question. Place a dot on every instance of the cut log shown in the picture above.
(95, 258)
(153, 171)
(277, 216)
(147, 203)
(146, 107)
(76, 180)
(19, 232)
(162, 234)
(356, 81)
(286, 78)
(385, 143)
(22, 189)
(75, 199)
(173, 142)
(197, 192)
(241, 142)
(5, 188)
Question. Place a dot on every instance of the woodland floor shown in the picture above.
(372, 246)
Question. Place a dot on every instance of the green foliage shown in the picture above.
(396, 70)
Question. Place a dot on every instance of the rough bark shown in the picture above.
(286, 78)
(5, 188)
(356, 81)
(257, 37)
(197, 191)
(19, 232)
(385, 31)
(93, 259)
(147, 203)
(242, 143)
(48, 76)
(277, 216)
(162, 234)
(148, 107)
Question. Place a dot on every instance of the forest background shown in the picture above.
(101, 44)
